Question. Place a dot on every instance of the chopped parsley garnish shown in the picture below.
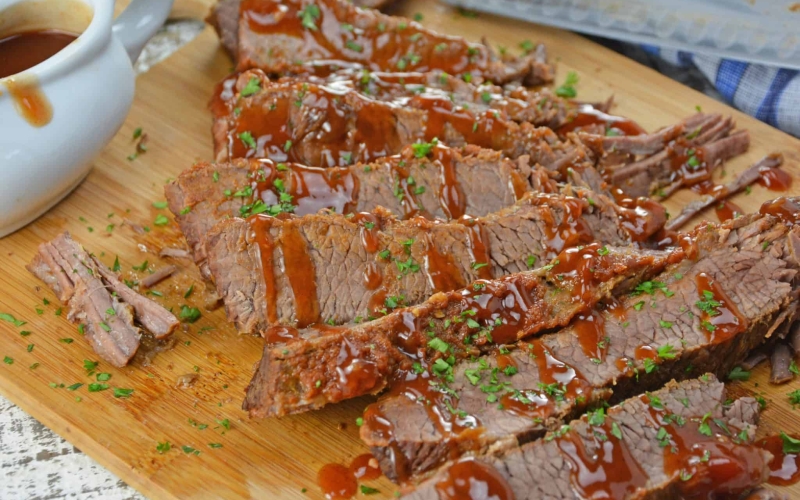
(527, 46)
(11, 319)
(160, 204)
(122, 393)
(603, 251)
(308, 17)
(530, 261)
(615, 431)
(253, 86)
(423, 149)
(568, 88)
(353, 46)
(103, 377)
(247, 139)
(738, 374)
(7, 360)
(97, 387)
(665, 351)
(438, 344)
(790, 444)
(163, 447)
(705, 427)
(189, 314)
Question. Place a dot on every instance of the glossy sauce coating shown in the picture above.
(390, 46)
(720, 319)
(783, 208)
(588, 117)
(25, 50)
(609, 470)
(469, 479)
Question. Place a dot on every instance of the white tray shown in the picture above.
(760, 31)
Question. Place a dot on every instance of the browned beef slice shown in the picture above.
(309, 372)
(409, 259)
(224, 16)
(540, 107)
(321, 125)
(751, 268)
(86, 285)
(484, 182)
(378, 42)
(624, 446)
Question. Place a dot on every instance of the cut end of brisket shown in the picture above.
(656, 333)
(98, 300)
(681, 439)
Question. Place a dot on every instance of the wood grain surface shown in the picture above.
(275, 458)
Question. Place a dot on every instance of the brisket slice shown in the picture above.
(663, 331)
(299, 121)
(447, 183)
(224, 17)
(649, 447)
(313, 36)
(98, 300)
(336, 268)
(306, 370)
(541, 107)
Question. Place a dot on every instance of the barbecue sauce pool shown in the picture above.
(25, 50)
(785, 466)
(338, 482)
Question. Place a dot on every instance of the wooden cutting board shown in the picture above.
(276, 458)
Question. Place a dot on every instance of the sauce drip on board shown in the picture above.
(727, 210)
(470, 479)
(29, 100)
(719, 319)
(25, 50)
(785, 465)
(589, 117)
(338, 482)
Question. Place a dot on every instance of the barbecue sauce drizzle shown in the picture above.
(504, 311)
(350, 127)
(299, 271)
(470, 479)
(260, 226)
(719, 319)
(388, 46)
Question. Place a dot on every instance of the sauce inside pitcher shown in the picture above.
(25, 50)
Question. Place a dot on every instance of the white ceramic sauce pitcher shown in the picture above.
(89, 86)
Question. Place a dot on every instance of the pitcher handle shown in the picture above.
(139, 22)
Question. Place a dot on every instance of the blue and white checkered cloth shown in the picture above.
(770, 94)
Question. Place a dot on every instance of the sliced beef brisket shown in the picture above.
(445, 183)
(708, 311)
(685, 440)
(310, 371)
(335, 268)
(224, 17)
(304, 35)
(296, 120)
(98, 300)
